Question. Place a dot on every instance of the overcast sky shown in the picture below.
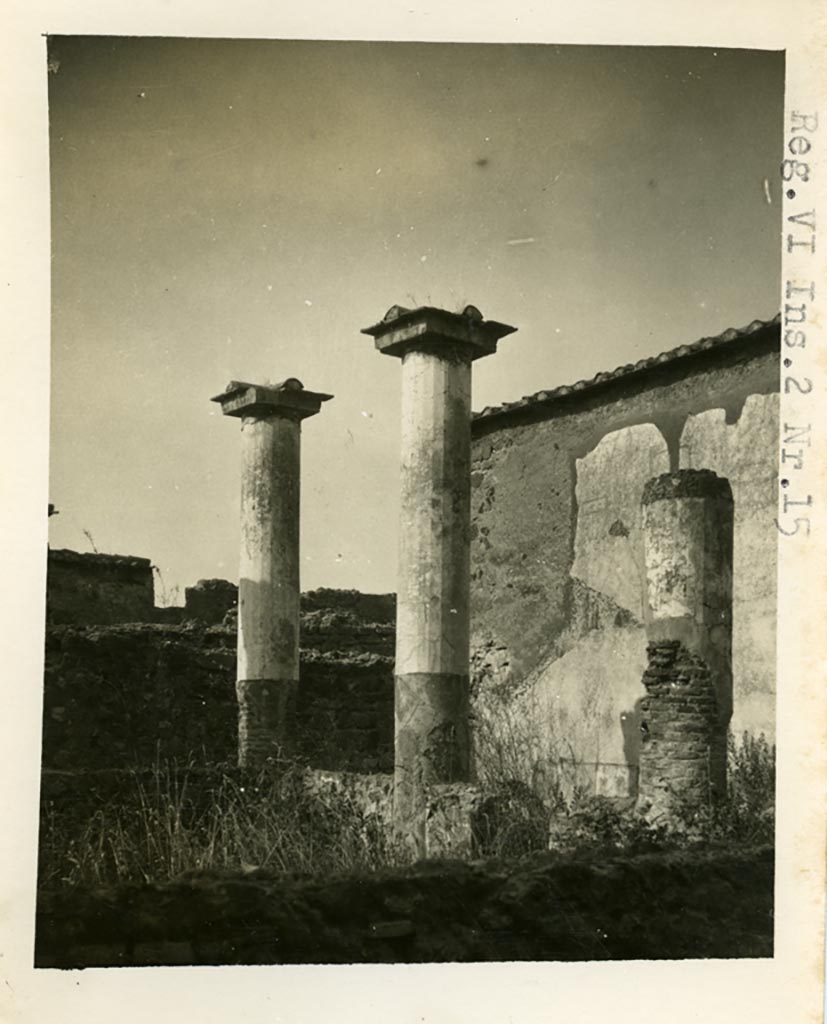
(240, 209)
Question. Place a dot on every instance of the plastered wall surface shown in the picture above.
(608, 543)
(557, 556)
(746, 453)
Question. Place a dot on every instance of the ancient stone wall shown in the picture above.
(345, 711)
(91, 588)
(711, 903)
(334, 617)
(557, 549)
(209, 601)
(130, 695)
(378, 608)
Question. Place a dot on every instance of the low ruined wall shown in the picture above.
(345, 711)
(128, 695)
(209, 601)
(706, 904)
(330, 630)
(98, 589)
(379, 608)
(131, 695)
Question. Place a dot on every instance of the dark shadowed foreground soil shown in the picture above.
(699, 903)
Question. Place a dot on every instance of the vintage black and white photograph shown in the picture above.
(466, 654)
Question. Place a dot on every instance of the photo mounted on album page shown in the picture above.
(418, 522)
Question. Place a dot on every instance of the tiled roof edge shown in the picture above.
(729, 336)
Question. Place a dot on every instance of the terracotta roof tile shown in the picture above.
(681, 352)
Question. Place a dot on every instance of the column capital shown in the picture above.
(686, 483)
(402, 330)
(287, 398)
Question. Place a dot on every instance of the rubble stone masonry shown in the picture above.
(683, 748)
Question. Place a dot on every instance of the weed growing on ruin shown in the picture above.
(180, 820)
(508, 742)
(752, 777)
(508, 766)
(166, 595)
(513, 822)
(597, 823)
(175, 821)
(579, 820)
(87, 534)
(745, 817)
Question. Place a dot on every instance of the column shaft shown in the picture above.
(432, 631)
(269, 569)
(268, 590)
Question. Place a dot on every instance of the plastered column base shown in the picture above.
(265, 710)
(432, 743)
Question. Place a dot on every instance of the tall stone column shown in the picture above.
(268, 588)
(432, 743)
(688, 536)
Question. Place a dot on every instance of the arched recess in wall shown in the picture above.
(746, 452)
(608, 544)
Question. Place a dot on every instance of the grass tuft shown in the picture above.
(180, 820)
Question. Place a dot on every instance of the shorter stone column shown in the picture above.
(268, 588)
(687, 530)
